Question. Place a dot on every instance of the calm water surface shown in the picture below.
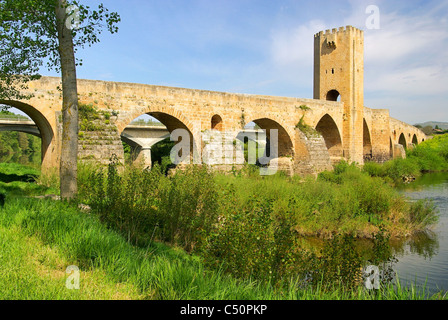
(424, 259)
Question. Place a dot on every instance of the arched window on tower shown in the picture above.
(333, 95)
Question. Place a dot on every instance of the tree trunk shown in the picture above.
(69, 147)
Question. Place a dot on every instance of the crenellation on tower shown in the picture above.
(340, 30)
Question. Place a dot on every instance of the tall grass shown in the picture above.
(158, 272)
(45, 235)
(145, 204)
(247, 224)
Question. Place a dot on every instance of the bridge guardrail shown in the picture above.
(15, 119)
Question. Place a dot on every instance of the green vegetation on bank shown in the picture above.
(20, 180)
(251, 225)
(429, 156)
(150, 235)
(39, 239)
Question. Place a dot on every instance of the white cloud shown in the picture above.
(401, 36)
(294, 45)
(424, 80)
(406, 60)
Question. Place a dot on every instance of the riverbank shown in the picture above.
(249, 225)
(429, 156)
(242, 231)
(40, 239)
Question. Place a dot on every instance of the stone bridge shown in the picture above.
(139, 137)
(312, 133)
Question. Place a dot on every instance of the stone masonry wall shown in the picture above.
(99, 140)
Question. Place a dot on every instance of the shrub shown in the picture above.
(127, 202)
(339, 263)
(399, 168)
(253, 242)
(373, 169)
(144, 204)
(88, 112)
(188, 206)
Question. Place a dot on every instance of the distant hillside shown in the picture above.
(442, 125)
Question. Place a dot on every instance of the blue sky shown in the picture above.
(266, 47)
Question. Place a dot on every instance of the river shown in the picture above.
(423, 260)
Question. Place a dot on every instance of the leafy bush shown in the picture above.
(374, 169)
(88, 112)
(249, 224)
(126, 202)
(339, 263)
(144, 203)
(187, 206)
(399, 168)
(252, 241)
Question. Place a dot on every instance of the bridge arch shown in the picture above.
(414, 139)
(142, 145)
(216, 123)
(402, 140)
(367, 142)
(329, 130)
(46, 131)
(285, 145)
(263, 136)
(168, 115)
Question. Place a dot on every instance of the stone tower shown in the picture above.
(339, 76)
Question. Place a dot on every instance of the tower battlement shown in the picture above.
(340, 30)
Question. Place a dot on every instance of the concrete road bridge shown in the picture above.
(311, 134)
(20, 125)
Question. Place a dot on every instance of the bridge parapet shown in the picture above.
(406, 134)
